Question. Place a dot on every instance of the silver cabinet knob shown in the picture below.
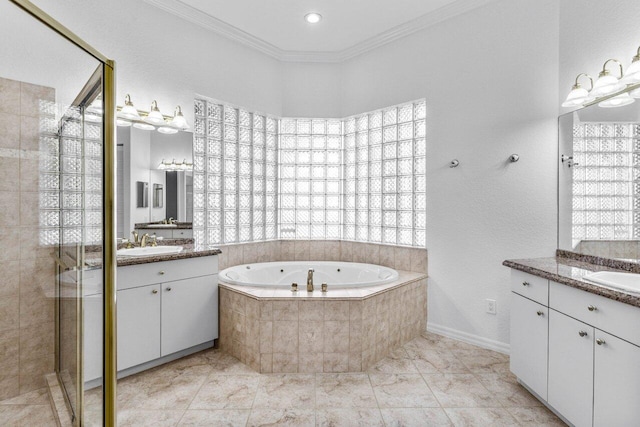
(155, 291)
(582, 333)
(525, 284)
(600, 341)
(592, 308)
(540, 313)
(161, 272)
(169, 288)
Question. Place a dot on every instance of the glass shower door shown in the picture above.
(56, 222)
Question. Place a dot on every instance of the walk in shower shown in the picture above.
(56, 142)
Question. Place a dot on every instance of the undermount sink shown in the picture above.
(629, 282)
(160, 226)
(149, 251)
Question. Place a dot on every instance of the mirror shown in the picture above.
(142, 194)
(140, 152)
(157, 195)
(599, 181)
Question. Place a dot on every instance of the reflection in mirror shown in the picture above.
(142, 194)
(140, 152)
(157, 195)
(599, 181)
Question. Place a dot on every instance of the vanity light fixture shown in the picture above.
(129, 115)
(129, 111)
(155, 116)
(313, 17)
(606, 89)
(617, 101)
(607, 83)
(143, 126)
(167, 130)
(578, 95)
(173, 166)
(632, 76)
(178, 121)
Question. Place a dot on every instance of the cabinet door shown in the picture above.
(138, 325)
(571, 368)
(616, 382)
(92, 336)
(189, 313)
(529, 343)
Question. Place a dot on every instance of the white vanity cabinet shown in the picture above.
(138, 325)
(578, 351)
(168, 233)
(530, 330)
(529, 341)
(165, 308)
(594, 358)
(571, 368)
(189, 313)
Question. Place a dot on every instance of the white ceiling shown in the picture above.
(344, 24)
(348, 27)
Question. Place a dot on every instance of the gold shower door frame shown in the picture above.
(108, 210)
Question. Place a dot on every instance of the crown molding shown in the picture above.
(188, 13)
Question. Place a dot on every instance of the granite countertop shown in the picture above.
(94, 259)
(150, 226)
(569, 269)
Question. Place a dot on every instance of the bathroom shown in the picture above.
(492, 76)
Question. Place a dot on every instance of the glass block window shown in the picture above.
(310, 178)
(234, 174)
(70, 177)
(606, 182)
(384, 176)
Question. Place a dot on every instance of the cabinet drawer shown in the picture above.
(611, 316)
(182, 233)
(530, 286)
(132, 276)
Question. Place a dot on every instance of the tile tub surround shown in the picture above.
(27, 269)
(397, 257)
(569, 269)
(287, 332)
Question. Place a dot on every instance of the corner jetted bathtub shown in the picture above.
(335, 274)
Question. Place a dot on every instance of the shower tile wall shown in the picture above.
(27, 270)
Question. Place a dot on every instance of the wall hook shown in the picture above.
(514, 158)
(454, 163)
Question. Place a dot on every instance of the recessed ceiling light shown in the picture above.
(312, 18)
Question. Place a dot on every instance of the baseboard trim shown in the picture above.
(483, 342)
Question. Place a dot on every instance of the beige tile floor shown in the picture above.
(431, 381)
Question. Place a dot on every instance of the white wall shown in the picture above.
(311, 90)
(161, 57)
(490, 80)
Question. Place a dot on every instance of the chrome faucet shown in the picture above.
(135, 236)
(310, 280)
(143, 240)
(171, 220)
